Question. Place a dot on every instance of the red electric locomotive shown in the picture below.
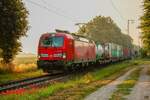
(62, 51)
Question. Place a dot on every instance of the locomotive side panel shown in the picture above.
(84, 51)
(69, 50)
(80, 52)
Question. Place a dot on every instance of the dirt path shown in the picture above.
(105, 92)
(141, 91)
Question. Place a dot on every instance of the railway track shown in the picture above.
(26, 83)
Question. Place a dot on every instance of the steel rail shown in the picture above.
(27, 82)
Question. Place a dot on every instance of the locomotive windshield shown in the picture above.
(55, 41)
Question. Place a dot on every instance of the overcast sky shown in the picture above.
(48, 15)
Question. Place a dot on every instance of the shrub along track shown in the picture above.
(22, 85)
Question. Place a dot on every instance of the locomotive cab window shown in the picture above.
(55, 41)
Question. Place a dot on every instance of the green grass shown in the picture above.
(78, 86)
(17, 76)
(105, 72)
(126, 87)
(25, 67)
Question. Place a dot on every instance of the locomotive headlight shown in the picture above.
(64, 55)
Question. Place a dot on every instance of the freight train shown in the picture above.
(65, 51)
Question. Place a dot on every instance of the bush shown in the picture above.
(143, 52)
(1, 52)
(6, 68)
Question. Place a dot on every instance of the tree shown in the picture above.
(145, 26)
(103, 29)
(13, 19)
(0, 52)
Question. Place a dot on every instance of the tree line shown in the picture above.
(103, 29)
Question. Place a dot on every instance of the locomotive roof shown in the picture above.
(73, 34)
(69, 35)
(57, 34)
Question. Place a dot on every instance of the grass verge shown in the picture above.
(126, 87)
(17, 76)
(23, 67)
(77, 87)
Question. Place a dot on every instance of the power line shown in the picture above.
(116, 9)
(50, 10)
(58, 9)
(60, 14)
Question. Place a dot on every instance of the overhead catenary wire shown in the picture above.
(59, 9)
(58, 12)
(51, 11)
(116, 9)
(119, 13)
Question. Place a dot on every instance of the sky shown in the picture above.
(48, 15)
